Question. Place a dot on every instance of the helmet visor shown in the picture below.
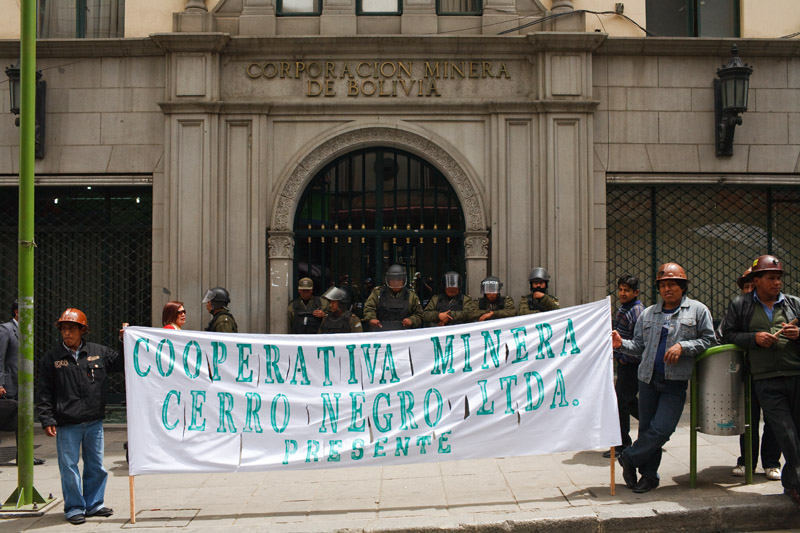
(395, 279)
(490, 286)
(208, 297)
(451, 280)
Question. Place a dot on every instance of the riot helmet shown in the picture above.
(491, 285)
(218, 297)
(539, 274)
(334, 294)
(396, 277)
(451, 280)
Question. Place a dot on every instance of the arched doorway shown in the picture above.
(374, 207)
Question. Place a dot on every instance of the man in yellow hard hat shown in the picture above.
(765, 322)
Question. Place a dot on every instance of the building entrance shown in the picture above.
(372, 208)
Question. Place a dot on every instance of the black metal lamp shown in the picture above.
(15, 87)
(730, 99)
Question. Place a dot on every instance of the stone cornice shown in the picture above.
(690, 46)
(350, 106)
(191, 42)
(47, 48)
(405, 45)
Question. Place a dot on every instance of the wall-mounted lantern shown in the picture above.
(15, 87)
(730, 99)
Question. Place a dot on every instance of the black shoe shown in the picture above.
(617, 450)
(793, 494)
(38, 461)
(76, 519)
(105, 512)
(628, 471)
(646, 484)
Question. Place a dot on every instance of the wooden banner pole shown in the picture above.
(132, 495)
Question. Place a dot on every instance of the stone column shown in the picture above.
(195, 18)
(476, 252)
(281, 254)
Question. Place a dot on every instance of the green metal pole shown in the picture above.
(27, 132)
(25, 494)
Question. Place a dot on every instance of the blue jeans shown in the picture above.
(86, 498)
(660, 406)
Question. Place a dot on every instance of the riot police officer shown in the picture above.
(393, 306)
(538, 300)
(339, 320)
(307, 311)
(452, 306)
(491, 304)
(217, 300)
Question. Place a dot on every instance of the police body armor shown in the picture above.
(446, 304)
(304, 320)
(485, 305)
(392, 311)
(216, 317)
(533, 305)
(336, 324)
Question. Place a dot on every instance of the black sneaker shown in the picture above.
(646, 484)
(105, 512)
(628, 471)
(76, 519)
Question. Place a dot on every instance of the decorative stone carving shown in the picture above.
(476, 245)
(280, 246)
(472, 205)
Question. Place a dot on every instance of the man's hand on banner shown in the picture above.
(616, 340)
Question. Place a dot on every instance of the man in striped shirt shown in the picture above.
(627, 384)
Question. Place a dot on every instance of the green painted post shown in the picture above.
(27, 136)
(25, 494)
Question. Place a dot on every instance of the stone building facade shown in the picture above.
(231, 116)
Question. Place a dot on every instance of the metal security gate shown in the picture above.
(370, 209)
(715, 232)
(93, 252)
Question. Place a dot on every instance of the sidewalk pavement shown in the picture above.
(559, 492)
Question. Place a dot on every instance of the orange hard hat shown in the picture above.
(670, 271)
(767, 263)
(745, 278)
(74, 316)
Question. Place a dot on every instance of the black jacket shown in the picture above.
(70, 392)
(735, 329)
(736, 323)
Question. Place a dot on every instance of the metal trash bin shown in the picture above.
(720, 391)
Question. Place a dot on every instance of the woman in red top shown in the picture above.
(174, 315)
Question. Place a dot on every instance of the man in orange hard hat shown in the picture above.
(667, 337)
(71, 406)
(765, 322)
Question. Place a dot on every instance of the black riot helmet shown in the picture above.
(396, 275)
(218, 297)
(539, 274)
(491, 285)
(451, 279)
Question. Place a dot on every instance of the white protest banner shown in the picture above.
(220, 402)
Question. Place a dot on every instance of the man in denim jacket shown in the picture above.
(667, 337)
